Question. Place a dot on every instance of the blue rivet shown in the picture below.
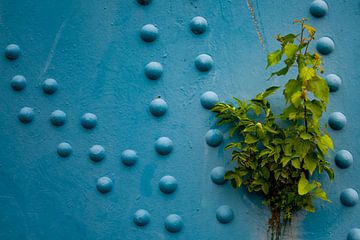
(337, 120)
(64, 149)
(173, 223)
(224, 214)
(164, 145)
(26, 114)
(149, 33)
(214, 137)
(12, 51)
(141, 217)
(144, 2)
(325, 45)
(319, 8)
(343, 159)
(333, 81)
(168, 184)
(354, 234)
(349, 197)
(97, 153)
(129, 157)
(18, 82)
(104, 184)
(153, 70)
(204, 62)
(198, 25)
(217, 175)
(58, 118)
(89, 120)
(158, 107)
(209, 99)
(50, 86)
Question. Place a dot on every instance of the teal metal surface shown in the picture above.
(105, 121)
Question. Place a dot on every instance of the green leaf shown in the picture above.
(320, 193)
(330, 172)
(291, 87)
(270, 91)
(306, 73)
(305, 135)
(281, 72)
(305, 186)
(285, 160)
(296, 99)
(290, 50)
(274, 58)
(319, 88)
(249, 139)
(327, 141)
(310, 163)
(236, 181)
(265, 188)
(309, 207)
(295, 163)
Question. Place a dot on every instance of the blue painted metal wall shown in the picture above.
(94, 51)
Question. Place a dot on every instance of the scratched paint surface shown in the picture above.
(94, 51)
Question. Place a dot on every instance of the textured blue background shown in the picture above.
(93, 49)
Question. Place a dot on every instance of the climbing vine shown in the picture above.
(278, 156)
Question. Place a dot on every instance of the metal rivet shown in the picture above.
(343, 159)
(209, 99)
(173, 223)
(198, 25)
(64, 149)
(89, 120)
(58, 118)
(325, 45)
(354, 234)
(158, 107)
(349, 197)
(18, 82)
(97, 153)
(217, 175)
(214, 137)
(104, 184)
(319, 8)
(337, 120)
(204, 62)
(12, 51)
(144, 2)
(50, 86)
(129, 157)
(149, 33)
(26, 114)
(164, 145)
(333, 81)
(168, 184)
(153, 70)
(224, 214)
(141, 217)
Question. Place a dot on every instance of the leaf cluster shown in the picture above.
(278, 156)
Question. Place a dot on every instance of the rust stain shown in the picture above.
(255, 22)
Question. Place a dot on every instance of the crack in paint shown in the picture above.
(255, 22)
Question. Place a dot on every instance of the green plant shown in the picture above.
(277, 156)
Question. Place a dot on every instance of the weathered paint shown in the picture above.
(79, 77)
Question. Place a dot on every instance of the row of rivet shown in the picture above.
(343, 158)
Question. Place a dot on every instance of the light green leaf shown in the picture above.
(249, 139)
(319, 88)
(310, 163)
(296, 99)
(320, 193)
(291, 87)
(305, 186)
(305, 135)
(290, 50)
(306, 73)
(236, 181)
(285, 160)
(295, 163)
(274, 58)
